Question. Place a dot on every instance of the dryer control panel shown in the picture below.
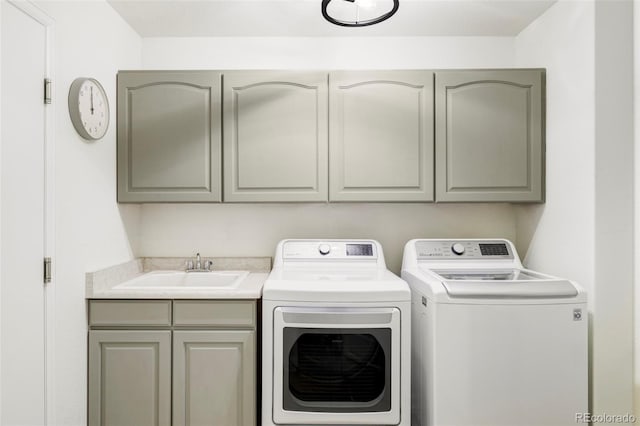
(330, 250)
(464, 249)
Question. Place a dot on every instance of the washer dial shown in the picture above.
(324, 249)
(458, 249)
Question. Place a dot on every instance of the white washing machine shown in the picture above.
(336, 336)
(493, 344)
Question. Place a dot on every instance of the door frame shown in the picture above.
(37, 14)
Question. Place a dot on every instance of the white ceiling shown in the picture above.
(301, 18)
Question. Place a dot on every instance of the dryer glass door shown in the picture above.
(337, 369)
(336, 363)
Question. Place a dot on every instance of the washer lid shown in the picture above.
(506, 283)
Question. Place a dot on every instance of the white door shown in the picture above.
(22, 217)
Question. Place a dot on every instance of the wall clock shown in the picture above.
(89, 108)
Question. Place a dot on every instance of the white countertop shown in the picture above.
(249, 288)
(106, 283)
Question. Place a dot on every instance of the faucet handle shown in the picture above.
(208, 264)
(189, 265)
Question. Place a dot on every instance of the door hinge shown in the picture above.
(47, 270)
(47, 91)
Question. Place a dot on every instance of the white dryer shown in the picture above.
(493, 344)
(336, 336)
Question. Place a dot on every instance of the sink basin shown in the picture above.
(167, 280)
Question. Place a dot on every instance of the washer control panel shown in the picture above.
(330, 250)
(461, 249)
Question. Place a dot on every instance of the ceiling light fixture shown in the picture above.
(358, 13)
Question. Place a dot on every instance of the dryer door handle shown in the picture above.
(366, 317)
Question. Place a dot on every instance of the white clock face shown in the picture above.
(93, 108)
(88, 108)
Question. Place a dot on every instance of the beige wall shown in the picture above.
(327, 52)
(255, 229)
(613, 310)
(636, 39)
(557, 237)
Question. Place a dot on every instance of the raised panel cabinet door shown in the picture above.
(381, 136)
(169, 136)
(214, 378)
(490, 135)
(129, 378)
(275, 136)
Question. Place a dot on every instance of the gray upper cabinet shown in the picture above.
(490, 135)
(313, 136)
(381, 136)
(169, 136)
(275, 136)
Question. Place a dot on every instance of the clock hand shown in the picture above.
(91, 100)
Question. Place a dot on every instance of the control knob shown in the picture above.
(324, 249)
(458, 249)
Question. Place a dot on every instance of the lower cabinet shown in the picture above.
(129, 378)
(145, 374)
(213, 378)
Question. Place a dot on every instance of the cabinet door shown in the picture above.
(214, 378)
(490, 135)
(129, 378)
(381, 136)
(169, 136)
(275, 136)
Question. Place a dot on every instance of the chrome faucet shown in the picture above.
(197, 265)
